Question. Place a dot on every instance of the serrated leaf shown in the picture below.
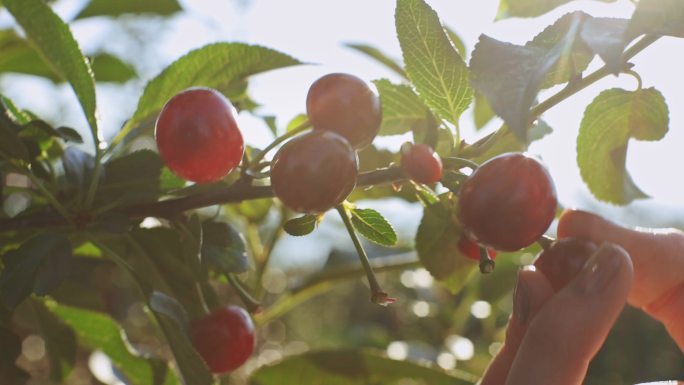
(530, 8)
(402, 109)
(457, 41)
(98, 331)
(435, 68)
(220, 66)
(614, 117)
(60, 342)
(661, 17)
(373, 226)
(575, 55)
(122, 7)
(53, 39)
(510, 76)
(38, 266)
(223, 248)
(301, 226)
(132, 178)
(606, 37)
(352, 367)
(437, 244)
(380, 57)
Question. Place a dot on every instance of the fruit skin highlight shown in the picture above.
(225, 338)
(197, 135)
(564, 259)
(508, 202)
(421, 164)
(314, 172)
(344, 104)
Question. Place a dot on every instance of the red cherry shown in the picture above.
(508, 202)
(421, 164)
(564, 259)
(344, 104)
(224, 338)
(314, 172)
(471, 250)
(197, 135)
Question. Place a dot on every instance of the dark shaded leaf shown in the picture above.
(660, 17)
(10, 374)
(132, 178)
(437, 244)
(78, 166)
(301, 226)
(109, 68)
(606, 37)
(60, 342)
(163, 304)
(510, 76)
(38, 266)
(530, 8)
(223, 248)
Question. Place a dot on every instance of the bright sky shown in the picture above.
(313, 31)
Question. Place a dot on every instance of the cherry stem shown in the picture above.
(486, 263)
(305, 125)
(545, 242)
(458, 163)
(253, 306)
(378, 296)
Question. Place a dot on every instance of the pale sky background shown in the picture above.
(314, 31)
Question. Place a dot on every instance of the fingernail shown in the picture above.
(599, 270)
(521, 302)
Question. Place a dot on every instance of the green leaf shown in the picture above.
(297, 121)
(530, 8)
(437, 244)
(457, 42)
(353, 367)
(402, 109)
(219, 65)
(482, 111)
(132, 178)
(379, 56)
(301, 226)
(122, 7)
(170, 181)
(20, 57)
(373, 226)
(98, 331)
(38, 266)
(510, 76)
(109, 68)
(53, 39)
(60, 342)
(223, 248)
(435, 68)
(614, 117)
(254, 210)
(575, 55)
(661, 17)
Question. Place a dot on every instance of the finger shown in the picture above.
(658, 256)
(669, 309)
(570, 328)
(531, 292)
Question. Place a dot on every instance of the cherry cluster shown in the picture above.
(505, 204)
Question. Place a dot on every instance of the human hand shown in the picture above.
(552, 337)
(658, 258)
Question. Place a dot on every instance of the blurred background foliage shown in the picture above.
(428, 324)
